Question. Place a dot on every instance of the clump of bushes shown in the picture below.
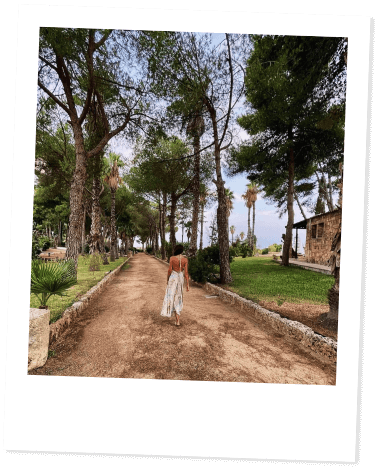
(149, 250)
(264, 251)
(95, 260)
(40, 243)
(205, 265)
(246, 251)
(274, 248)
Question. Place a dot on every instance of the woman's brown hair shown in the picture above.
(178, 249)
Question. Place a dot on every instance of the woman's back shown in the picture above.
(178, 263)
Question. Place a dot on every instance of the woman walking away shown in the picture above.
(173, 300)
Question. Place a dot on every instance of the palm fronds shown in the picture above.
(48, 279)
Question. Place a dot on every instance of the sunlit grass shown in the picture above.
(263, 279)
(86, 280)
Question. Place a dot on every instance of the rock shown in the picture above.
(39, 331)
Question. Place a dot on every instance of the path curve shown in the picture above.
(122, 335)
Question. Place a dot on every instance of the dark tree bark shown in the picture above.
(202, 216)
(289, 227)
(76, 196)
(113, 248)
(173, 208)
(163, 224)
(195, 191)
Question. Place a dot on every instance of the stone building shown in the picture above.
(320, 232)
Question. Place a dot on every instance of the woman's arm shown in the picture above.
(187, 274)
(170, 268)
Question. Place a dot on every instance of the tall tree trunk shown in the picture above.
(83, 230)
(60, 234)
(96, 242)
(331, 204)
(249, 226)
(299, 205)
(253, 223)
(113, 227)
(73, 240)
(289, 227)
(194, 223)
(222, 220)
(156, 242)
(172, 223)
(163, 224)
(201, 237)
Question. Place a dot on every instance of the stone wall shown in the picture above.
(320, 237)
(320, 346)
(73, 311)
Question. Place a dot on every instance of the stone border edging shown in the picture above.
(324, 346)
(74, 310)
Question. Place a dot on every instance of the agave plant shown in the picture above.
(49, 279)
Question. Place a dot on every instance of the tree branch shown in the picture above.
(48, 92)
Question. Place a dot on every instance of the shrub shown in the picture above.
(149, 250)
(234, 251)
(45, 243)
(274, 248)
(246, 251)
(106, 248)
(205, 265)
(199, 269)
(95, 261)
(53, 278)
(35, 249)
(264, 251)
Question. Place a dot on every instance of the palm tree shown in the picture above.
(250, 197)
(113, 179)
(241, 235)
(232, 230)
(95, 131)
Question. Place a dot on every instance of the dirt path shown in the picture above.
(122, 335)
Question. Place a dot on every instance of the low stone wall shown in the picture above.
(322, 346)
(73, 311)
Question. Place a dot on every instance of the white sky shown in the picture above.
(139, 417)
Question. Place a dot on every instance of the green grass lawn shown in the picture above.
(86, 280)
(264, 279)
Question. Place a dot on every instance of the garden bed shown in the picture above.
(292, 292)
(86, 280)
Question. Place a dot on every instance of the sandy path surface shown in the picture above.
(122, 335)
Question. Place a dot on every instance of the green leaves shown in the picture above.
(54, 278)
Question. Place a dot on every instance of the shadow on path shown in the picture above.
(122, 335)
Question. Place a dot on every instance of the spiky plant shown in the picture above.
(50, 279)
